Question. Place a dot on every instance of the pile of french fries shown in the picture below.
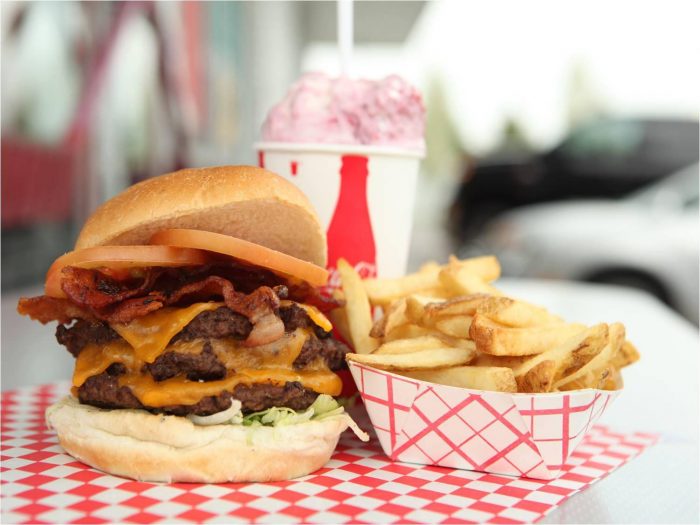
(449, 325)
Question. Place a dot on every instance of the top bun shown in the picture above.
(242, 201)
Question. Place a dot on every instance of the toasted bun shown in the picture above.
(242, 201)
(143, 446)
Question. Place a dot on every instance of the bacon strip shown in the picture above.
(96, 295)
(94, 289)
(92, 295)
(129, 309)
(46, 309)
(259, 307)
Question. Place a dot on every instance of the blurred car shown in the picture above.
(609, 157)
(648, 240)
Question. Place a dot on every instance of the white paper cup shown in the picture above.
(364, 196)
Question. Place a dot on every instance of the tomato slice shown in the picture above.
(247, 251)
(118, 260)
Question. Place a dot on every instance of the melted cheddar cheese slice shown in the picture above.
(95, 359)
(180, 391)
(148, 337)
(150, 334)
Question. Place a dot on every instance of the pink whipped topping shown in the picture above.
(321, 109)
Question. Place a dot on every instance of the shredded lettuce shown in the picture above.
(324, 406)
(231, 415)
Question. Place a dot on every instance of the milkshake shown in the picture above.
(354, 147)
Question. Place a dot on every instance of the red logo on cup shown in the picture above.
(350, 234)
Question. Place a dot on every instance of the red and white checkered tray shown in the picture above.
(41, 484)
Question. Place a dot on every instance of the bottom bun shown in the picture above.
(139, 445)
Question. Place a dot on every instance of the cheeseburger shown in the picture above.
(202, 352)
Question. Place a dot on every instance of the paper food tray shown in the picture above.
(530, 435)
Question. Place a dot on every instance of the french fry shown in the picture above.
(429, 266)
(593, 379)
(613, 381)
(470, 276)
(448, 324)
(541, 372)
(339, 318)
(452, 317)
(456, 341)
(419, 360)
(384, 291)
(591, 373)
(460, 282)
(496, 339)
(415, 307)
(407, 346)
(454, 326)
(539, 378)
(409, 331)
(499, 361)
(357, 309)
(627, 355)
(436, 294)
(487, 268)
(514, 313)
(394, 315)
(475, 377)
(464, 305)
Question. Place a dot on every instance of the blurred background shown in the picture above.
(561, 136)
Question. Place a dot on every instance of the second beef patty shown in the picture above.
(103, 389)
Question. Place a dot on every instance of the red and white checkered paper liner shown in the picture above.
(41, 484)
(530, 435)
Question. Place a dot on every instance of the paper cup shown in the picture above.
(529, 435)
(364, 197)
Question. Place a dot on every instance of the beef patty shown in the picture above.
(212, 324)
(103, 390)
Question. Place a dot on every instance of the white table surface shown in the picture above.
(661, 395)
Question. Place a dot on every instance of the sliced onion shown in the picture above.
(266, 329)
(220, 417)
(361, 434)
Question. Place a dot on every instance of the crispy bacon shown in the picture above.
(200, 290)
(93, 295)
(46, 309)
(94, 289)
(129, 309)
(96, 295)
(259, 306)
